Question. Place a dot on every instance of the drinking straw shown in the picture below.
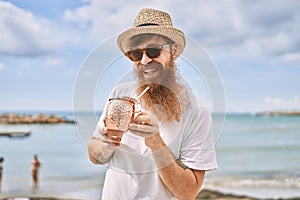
(145, 90)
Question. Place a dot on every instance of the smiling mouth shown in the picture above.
(149, 71)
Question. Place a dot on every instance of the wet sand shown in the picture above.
(204, 194)
(208, 194)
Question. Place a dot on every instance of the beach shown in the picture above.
(205, 194)
(257, 158)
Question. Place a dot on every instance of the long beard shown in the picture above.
(161, 98)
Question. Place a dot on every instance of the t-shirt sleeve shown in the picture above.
(198, 147)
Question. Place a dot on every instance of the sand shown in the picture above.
(203, 195)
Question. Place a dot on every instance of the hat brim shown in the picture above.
(172, 33)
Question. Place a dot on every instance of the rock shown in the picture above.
(37, 119)
(208, 194)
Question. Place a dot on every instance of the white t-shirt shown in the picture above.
(131, 172)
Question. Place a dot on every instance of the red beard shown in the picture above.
(161, 99)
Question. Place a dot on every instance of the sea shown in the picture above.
(257, 155)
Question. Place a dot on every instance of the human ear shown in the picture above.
(174, 51)
(174, 48)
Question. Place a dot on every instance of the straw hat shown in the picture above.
(153, 21)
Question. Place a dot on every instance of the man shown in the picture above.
(169, 145)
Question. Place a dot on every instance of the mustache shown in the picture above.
(150, 65)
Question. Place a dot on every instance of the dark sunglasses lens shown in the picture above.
(153, 52)
(135, 55)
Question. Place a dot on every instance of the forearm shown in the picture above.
(100, 152)
(182, 182)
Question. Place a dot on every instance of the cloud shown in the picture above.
(248, 29)
(23, 34)
(2, 66)
(55, 62)
(70, 73)
(240, 29)
(282, 104)
(104, 18)
(291, 57)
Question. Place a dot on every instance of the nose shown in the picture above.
(145, 59)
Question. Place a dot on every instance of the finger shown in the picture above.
(142, 128)
(107, 139)
(104, 130)
(113, 131)
(111, 142)
(112, 134)
(143, 119)
(112, 139)
(141, 113)
(115, 137)
(142, 134)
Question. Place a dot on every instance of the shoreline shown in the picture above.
(217, 195)
(206, 194)
(213, 194)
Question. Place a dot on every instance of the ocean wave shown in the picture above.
(261, 188)
(279, 182)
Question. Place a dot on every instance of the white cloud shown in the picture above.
(23, 34)
(2, 66)
(55, 62)
(70, 73)
(20, 73)
(246, 29)
(103, 18)
(254, 29)
(243, 29)
(282, 104)
(291, 57)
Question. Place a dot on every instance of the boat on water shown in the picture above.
(15, 133)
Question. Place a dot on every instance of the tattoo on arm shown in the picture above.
(181, 164)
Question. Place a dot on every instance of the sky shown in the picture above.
(254, 45)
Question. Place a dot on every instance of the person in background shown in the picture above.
(35, 171)
(169, 145)
(1, 170)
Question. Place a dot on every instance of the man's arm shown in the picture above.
(101, 149)
(182, 182)
(95, 150)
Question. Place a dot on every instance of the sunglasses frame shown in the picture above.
(145, 50)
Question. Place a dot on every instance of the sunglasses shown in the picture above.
(151, 52)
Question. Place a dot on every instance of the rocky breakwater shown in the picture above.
(33, 119)
(279, 113)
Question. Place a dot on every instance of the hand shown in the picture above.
(111, 136)
(145, 125)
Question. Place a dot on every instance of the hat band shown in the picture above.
(147, 24)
